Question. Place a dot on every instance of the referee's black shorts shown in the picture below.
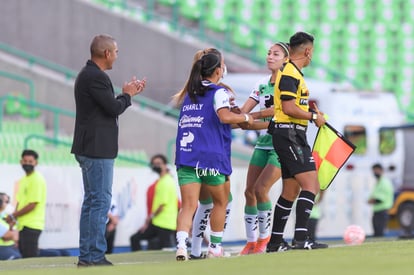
(295, 155)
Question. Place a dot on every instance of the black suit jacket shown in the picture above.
(97, 110)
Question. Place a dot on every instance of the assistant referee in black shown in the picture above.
(292, 114)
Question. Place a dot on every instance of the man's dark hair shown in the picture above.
(377, 166)
(160, 156)
(100, 43)
(299, 39)
(2, 194)
(29, 152)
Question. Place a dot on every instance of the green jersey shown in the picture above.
(263, 95)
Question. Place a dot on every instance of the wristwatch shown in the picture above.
(314, 116)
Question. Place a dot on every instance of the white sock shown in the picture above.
(264, 218)
(215, 241)
(200, 223)
(182, 237)
(250, 222)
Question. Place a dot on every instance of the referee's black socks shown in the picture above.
(280, 218)
(304, 207)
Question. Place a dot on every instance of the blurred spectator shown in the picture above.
(111, 227)
(382, 199)
(8, 236)
(31, 206)
(162, 210)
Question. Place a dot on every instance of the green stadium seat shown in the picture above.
(271, 30)
(262, 49)
(248, 11)
(115, 5)
(101, 2)
(23, 127)
(275, 32)
(243, 35)
(190, 9)
(272, 11)
(12, 140)
(406, 11)
(137, 155)
(13, 106)
(166, 2)
(218, 14)
(10, 156)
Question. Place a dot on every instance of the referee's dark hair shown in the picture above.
(300, 38)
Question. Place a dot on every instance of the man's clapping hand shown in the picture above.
(134, 87)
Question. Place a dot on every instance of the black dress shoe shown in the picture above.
(104, 261)
(84, 264)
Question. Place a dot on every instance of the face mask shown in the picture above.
(377, 176)
(28, 168)
(156, 169)
(224, 71)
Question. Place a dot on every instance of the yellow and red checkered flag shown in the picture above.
(330, 151)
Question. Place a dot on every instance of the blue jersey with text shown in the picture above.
(203, 142)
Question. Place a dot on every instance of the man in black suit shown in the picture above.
(95, 143)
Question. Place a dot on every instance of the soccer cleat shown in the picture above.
(215, 254)
(261, 245)
(201, 257)
(248, 248)
(308, 244)
(181, 254)
(277, 247)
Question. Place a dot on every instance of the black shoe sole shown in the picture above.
(192, 257)
(180, 258)
(105, 262)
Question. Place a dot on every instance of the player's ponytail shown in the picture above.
(202, 69)
(194, 84)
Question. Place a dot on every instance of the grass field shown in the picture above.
(372, 257)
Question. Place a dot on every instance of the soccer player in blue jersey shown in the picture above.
(202, 216)
(203, 148)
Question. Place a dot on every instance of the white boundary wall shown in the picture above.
(343, 204)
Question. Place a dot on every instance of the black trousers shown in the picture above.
(379, 222)
(165, 238)
(110, 238)
(29, 242)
